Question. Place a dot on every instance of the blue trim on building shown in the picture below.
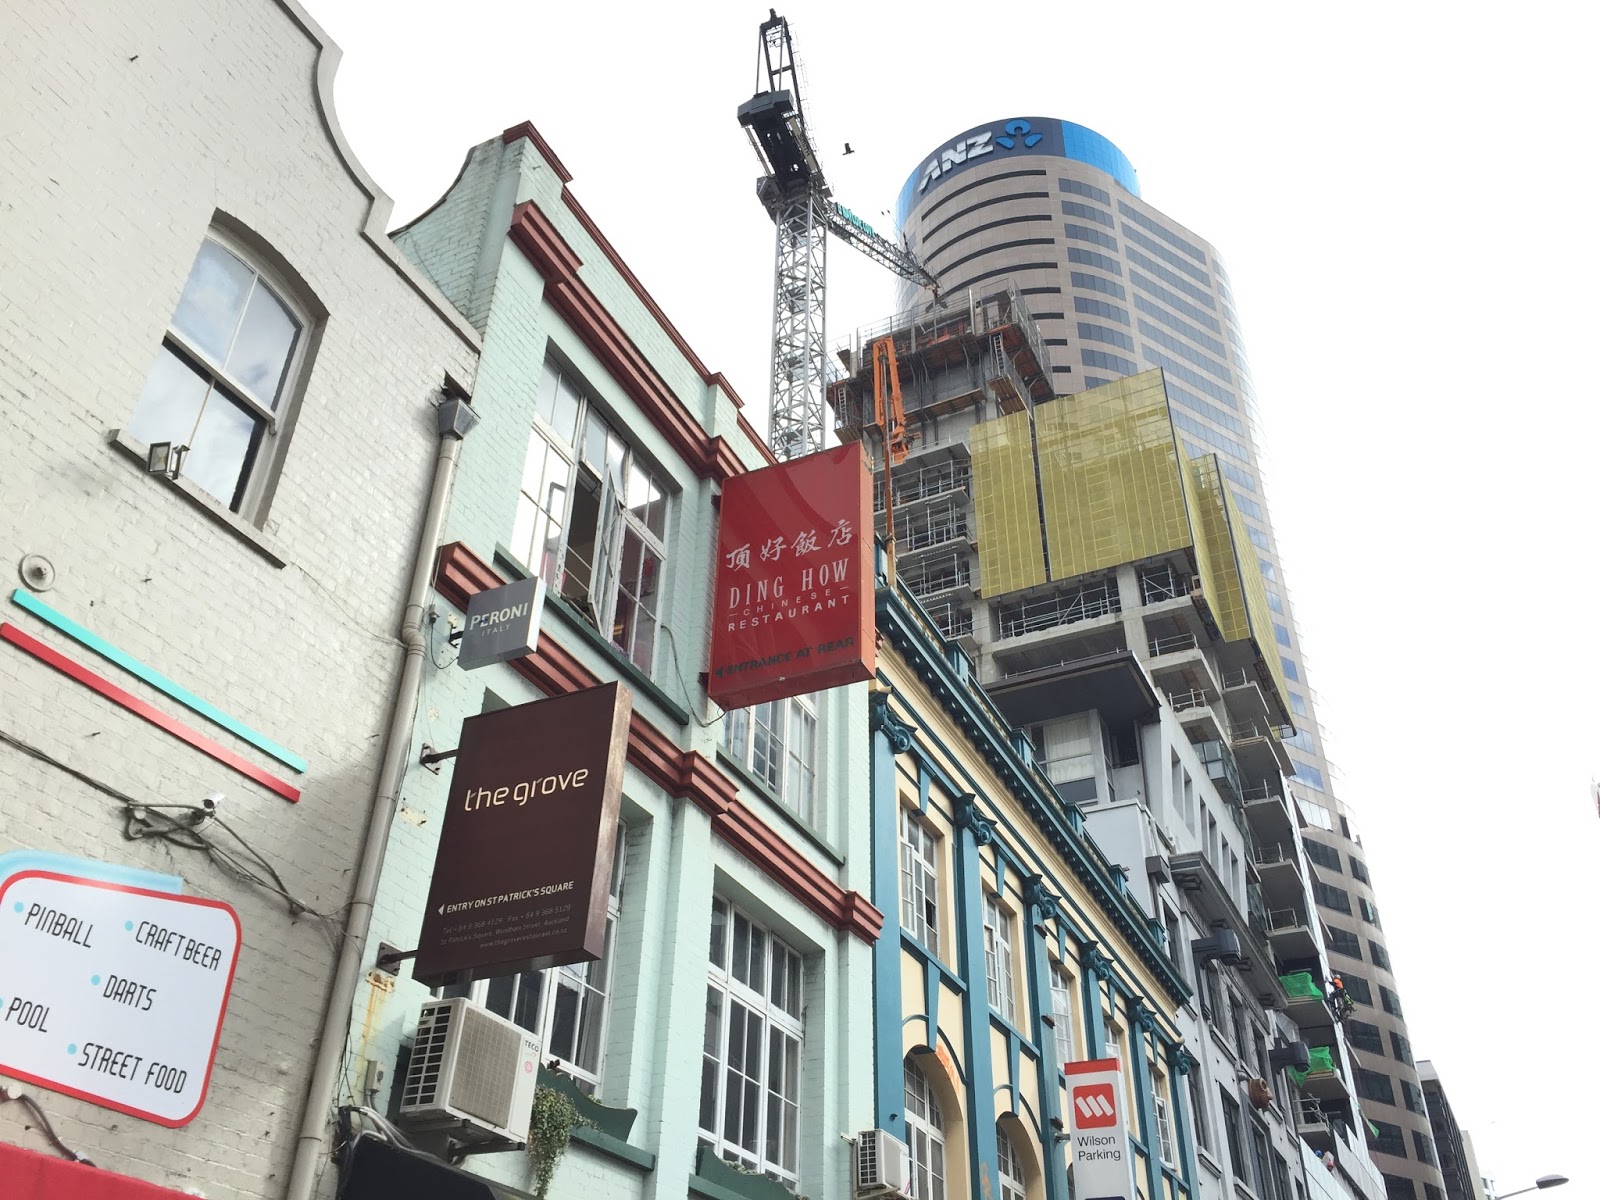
(25, 599)
(1013, 138)
(985, 1153)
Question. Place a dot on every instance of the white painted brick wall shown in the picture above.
(123, 128)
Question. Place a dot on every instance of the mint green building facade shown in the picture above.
(602, 445)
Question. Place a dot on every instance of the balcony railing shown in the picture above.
(953, 622)
(1172, 644)
(938, 529)
(939, 575)
(1269, 856)
(1157, 586)
(927, 482)
(1285, 918)
(1085, 604)
(1220, 764)
(1184, 701)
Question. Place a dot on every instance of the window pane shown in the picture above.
(223, 443)
(564, 1025)
(170, 404)
(565, 418)
(260, 353)
(545, 402)
(526, 1010)
(212, 300)
(501, 990)
(719, 933)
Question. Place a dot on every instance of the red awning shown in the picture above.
(33, 1176)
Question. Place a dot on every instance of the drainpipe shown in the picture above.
(456, 419)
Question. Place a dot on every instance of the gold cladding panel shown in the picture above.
(1219, 565)
(1111, 478)
(1006, 505)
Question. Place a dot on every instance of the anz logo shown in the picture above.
(1014, 133)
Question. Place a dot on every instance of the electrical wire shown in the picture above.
(49, 1130)
(142, 820)
(688, 696)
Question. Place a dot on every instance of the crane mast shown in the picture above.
(796, 195)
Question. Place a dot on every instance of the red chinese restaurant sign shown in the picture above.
(793, 605)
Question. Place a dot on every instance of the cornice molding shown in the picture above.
(924, 652)
(682, 774)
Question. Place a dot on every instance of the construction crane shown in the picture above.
(795, 193)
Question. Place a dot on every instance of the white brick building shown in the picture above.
(189, 253)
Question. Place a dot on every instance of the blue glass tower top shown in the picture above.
(1012, 138)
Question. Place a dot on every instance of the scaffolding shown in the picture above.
(1063, 608)
(992, 336)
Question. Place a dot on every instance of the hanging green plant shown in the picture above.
(554, 1119)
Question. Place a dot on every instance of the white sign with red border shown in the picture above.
(113, 994)
(1102, 1163)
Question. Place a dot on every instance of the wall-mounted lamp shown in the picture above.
(165, 458)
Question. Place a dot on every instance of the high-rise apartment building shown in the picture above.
(1115, 287)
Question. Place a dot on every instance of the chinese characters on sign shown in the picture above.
(523, 869)
(793, 603)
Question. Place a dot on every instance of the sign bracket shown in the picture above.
(389, 958)
(431, 758)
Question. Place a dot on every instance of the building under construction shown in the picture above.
(1103, 583)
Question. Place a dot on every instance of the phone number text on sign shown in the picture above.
(113, 994)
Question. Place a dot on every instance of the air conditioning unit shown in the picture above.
(471, 1073)
(882, 1165)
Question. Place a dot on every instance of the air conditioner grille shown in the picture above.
(427, 1058)
(482, 1086)
(867, 1168)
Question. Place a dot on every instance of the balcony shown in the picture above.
(947, 525)
(1291, 934)
(953, 621)
(1221, 767)
(1318, 1127)
(1322, 1079)
(1063, 608)
(935, 575)
(1197, 715)
(1308, 1005)
(1278, 864)
(1268, 814)
(1260, 750)
(1246, 702)
(915, 485)
(1160, 586)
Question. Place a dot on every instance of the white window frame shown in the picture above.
(270, 419)
(924, 1135)
(611, 484)
(997, 957)
(780, 744)
(919, 880)
(1061, 1007)
(773, 1003)
(1169, 1150)
(1012, 1184)
(590, 983)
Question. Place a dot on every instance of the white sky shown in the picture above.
(1403, 194)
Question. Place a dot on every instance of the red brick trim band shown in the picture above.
(99, 683)
(685, 774)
